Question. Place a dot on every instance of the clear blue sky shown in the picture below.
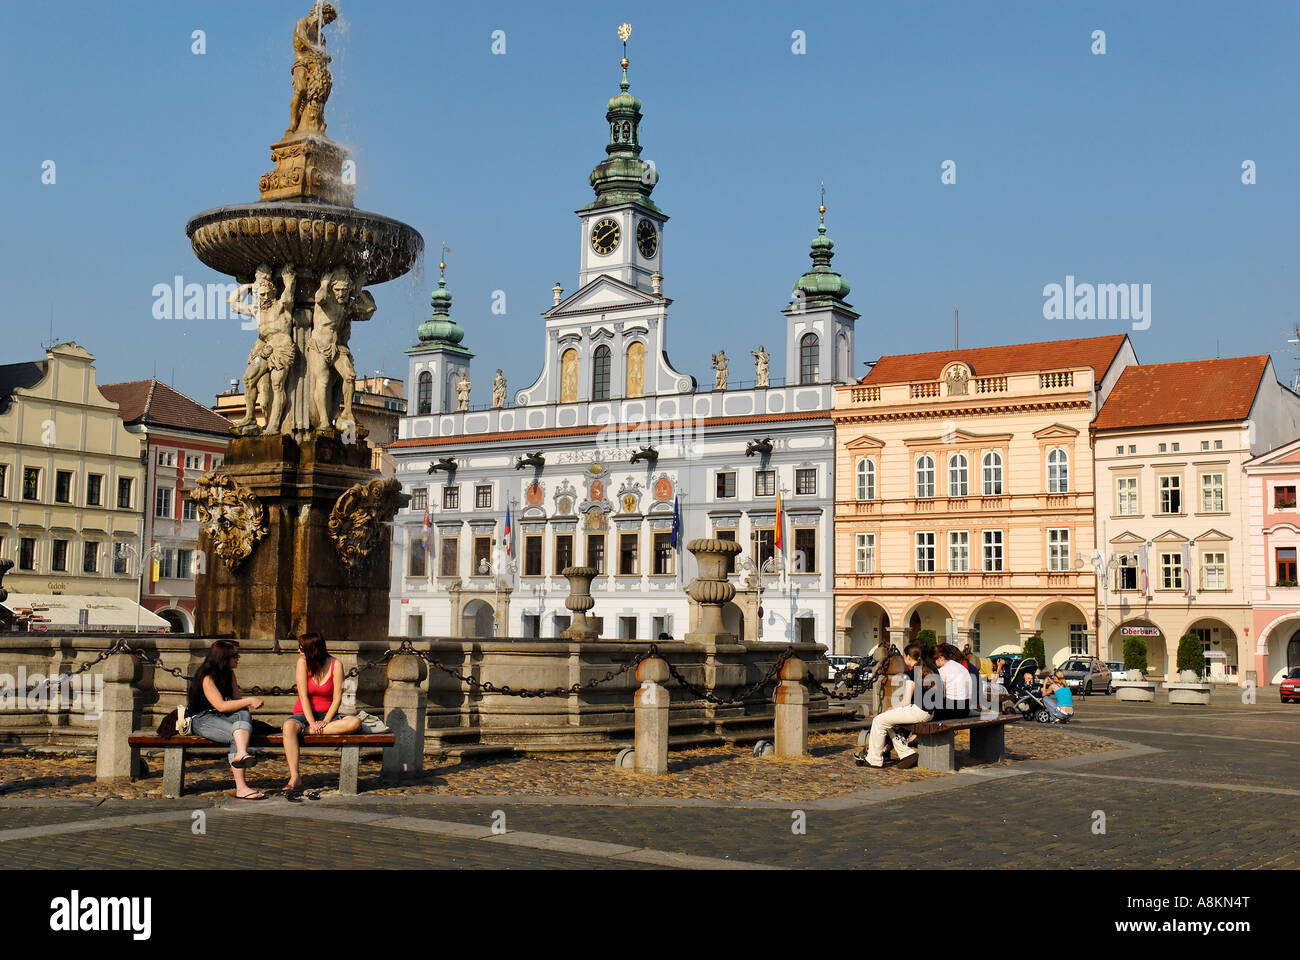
(1117, 168)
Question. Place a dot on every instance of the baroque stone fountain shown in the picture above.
(294, 524)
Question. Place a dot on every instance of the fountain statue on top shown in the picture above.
(296, 513)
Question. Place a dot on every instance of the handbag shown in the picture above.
(176, 724)
(370, 723)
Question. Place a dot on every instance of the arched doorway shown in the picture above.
(733, 621)
(927, 615)
(1064, 629)
(994, 629)
(1219, 644)
(1157, 656)
(476, 620)
(177, 621)
(868, 626)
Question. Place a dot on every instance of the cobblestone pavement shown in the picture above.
(1176, 787)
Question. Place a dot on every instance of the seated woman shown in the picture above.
(958, 687)
(319, 678)
(1059, 698)
(917, 703)
(220, 712)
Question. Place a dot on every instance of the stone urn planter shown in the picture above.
(579, 602)
(1134, 691)
(1189, 688)
(710, 591)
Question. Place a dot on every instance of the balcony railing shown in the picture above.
(1049, 381)
(866, 394)
(990, 384)
(927, 388)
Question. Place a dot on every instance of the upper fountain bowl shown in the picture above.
(312, 236)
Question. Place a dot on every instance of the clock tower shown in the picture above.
(622, 229)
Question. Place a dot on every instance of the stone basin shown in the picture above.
(312, 236)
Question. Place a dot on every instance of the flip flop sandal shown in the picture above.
(252, 796)
(244, 762)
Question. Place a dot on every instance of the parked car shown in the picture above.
(1086, 674)
(1116, 668)
(1291, 686)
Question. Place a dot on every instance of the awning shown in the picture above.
(50, 611)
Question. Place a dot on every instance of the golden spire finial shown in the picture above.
(821, 209)
(624, 31)
(442, 264)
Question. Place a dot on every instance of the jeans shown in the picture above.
(1055, 709)
(221, 727)
(884, 725)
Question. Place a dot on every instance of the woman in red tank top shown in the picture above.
(319, 679)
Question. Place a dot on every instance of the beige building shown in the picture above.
(379, 404)
(71, 481)
(1174, 526)
(964, 496)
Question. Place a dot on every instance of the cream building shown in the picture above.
(964, 496)
(71, 481)
(1173, 513)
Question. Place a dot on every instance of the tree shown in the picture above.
(1135, 654)
(1191, 654)
(1035, 649)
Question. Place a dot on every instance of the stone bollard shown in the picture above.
(792, 710)
(405, 705)
(114, 758)
(652, 717)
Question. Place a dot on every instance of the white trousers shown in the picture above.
(885, 724)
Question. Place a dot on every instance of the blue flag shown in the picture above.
(677, 523)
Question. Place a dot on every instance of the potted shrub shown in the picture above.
(1190, 687)
(1135, 688)
(1035, 649)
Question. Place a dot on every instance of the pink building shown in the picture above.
(1272, 480)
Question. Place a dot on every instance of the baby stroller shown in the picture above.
(1028, 700)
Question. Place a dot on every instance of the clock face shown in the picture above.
(604, 236)
(647, 239)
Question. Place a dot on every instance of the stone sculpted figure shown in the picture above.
(338, 302)
(762, 364)
(720, 365)
(312, 82)
(462, 393)
(273, 350)
(499, 390)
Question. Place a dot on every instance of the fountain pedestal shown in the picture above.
(295, 579)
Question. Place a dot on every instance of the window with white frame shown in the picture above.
(925, 552)
(1126, 496)
(1058, 549)
(992, 551)
(992, 474)
(163, 502)
(865, 549)
(1214, 571)
(1212, 493)
(1171, 494)
(1126, 573)
(420, 499)
(1171, 571)
(805, 481)
(924, 476)
(1078, 639)
(958, 476)
(958, 551)
(189, 509)
(866, 471)
(1058, 471)
(166, 458)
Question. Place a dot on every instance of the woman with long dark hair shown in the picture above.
(921, 693)
(319, 678)
(220, 711)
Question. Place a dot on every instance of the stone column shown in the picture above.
(652, 717)
(579, 602)
(710, 591)
(405, 704)
(792, 698)
(114, 758)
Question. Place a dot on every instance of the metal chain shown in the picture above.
(745, 694)
(487, 686)
(121, 646)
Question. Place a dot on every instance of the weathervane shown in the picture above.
(624, 31)
(442, 264)
(821, 209)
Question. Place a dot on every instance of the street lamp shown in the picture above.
(155, 552)
(757, 573)
(509, 567)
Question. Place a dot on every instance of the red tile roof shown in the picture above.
(1095, 352)
(1196, 391)
(155, 404)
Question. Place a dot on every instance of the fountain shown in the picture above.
(295, 522)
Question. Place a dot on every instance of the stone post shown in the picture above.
(405, 704)
(792, 699)
(579, 602)
(114, 758)
(710, 591)
(652, 717)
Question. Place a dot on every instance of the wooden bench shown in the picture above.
(935, 740)
(175, 748)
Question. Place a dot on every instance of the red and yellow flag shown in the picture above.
(779, 520)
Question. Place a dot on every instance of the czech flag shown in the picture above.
(425, 539)
(506, 535)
